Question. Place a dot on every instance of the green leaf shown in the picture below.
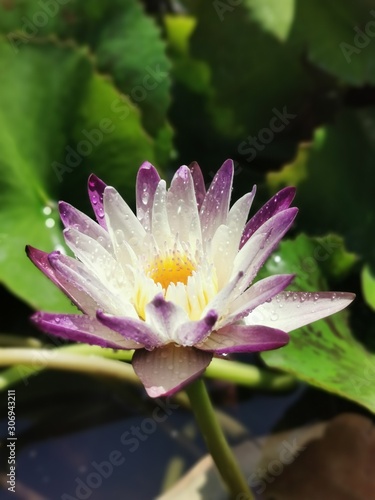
(274, 16)
(126, 42)
(324, 353)
(368, 286)
(335, 193)
(34, 93)
(59, 121)
(343, 44)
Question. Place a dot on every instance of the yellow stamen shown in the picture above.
(175, 268)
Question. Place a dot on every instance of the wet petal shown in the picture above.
(262, 291)
(167, 369)
(194, 332)
(273, 230)
(199, 186)
(182, 208)
(146, 184)
(215, 206)
(81, 328)
(73, 218)
(96, 189)
(291, 310)
(244, 338)
(165, 317)
(120, 218)
(86, 289)
(131, 329)
(276, 204)
(68, 284)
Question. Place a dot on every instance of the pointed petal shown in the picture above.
(165, 317)
(72, 289)
(277, 203)
(182, 208)
(120, 218)
(273, 230)
(243, 338)
(291, 310)
(194, 332)
(215, 206)
(96, 189)
(146, 184)
(160, 224)
(131, 329)
(87, 290)
(254, 296)
(166, 370)
(98, 261)
(81, 328)
(199, 186)
(71, 217)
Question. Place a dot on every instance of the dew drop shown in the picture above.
(57, 320)
(94, 199)
(145, 196)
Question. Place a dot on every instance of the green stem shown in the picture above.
(216, 443)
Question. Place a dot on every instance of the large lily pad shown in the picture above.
(50, 100)
(325, 353)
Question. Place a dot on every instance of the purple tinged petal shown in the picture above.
(291, 310)
(131, 329)
(73, 218)
(83, 288)
(122, 220)
(96, 189)
(215, 207)
(198, 180)
(194, 332)
(262, 291)
(165, 317)
(276, 204)
(182, 208)
(244, 338)
(273, 230)
(67, 285)
(81, 328)
(146, 184)
(167, 369)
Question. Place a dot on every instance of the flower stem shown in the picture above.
(216, 443)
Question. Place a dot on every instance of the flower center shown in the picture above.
(175, 268)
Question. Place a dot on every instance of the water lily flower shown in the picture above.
(175, 282)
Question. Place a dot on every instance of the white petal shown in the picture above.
(182, 208)
(290, 310)
(120, 217)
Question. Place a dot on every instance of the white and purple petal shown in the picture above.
(73, 218)
(291, 310)
(260, 292)
(165, 317)
(194, 332)
(96, 189)
(131, 329)
(244, 338)
(81, 328)
(73, 289)
(215, 206)
(146, 184)
(199, 185)
(168, 369)
(273, 230)
(281, 201)
(182, 208)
